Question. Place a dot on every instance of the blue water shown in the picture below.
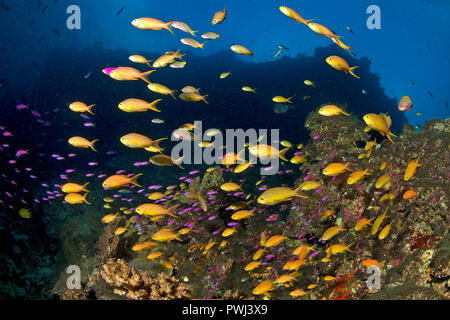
(45, 65)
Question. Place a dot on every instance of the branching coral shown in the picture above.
(142, 285)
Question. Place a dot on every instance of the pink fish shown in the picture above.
(20, 153)
(107, 71)
(35, 113)
(88, 74)
(89, 124)
(7, 134)
(21, 107)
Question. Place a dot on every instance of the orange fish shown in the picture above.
(81, 142)
(120, 180)
(151, 24)
(219, 16)
(409, 194)
(340, 64)
(293, 15)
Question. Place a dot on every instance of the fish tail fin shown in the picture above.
(172, 94)
(389, 137)
(193, 33)
(134, 180)
(351, 71)
(83, 187)
(289, 99)
(238, 156)
(345, 113)
(84, 199)
(282, 154)
(346, 167)
(89, 109)
(308, 21)
(178, 161)
(393, 134)
(297, 192)
(202, 44)
(91, 144)
(148, 63)
(204, 100)
(168, 27)
(145, 74)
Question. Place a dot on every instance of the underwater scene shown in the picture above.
(224, 150)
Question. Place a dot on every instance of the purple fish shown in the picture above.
(89, 74)
(35, 113)
(21, 107)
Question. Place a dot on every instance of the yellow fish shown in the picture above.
(136, 140)
(263, 288)
(248, 89)
(230, 187)
(357, 175)
(154, 255)
(155, 196)
(378, 222)
(411, 169)
(139, 59)
(219, 16)
(322, 30)
(74, 198)
(274, 241)
(267, 151)
(385, 231)
(383, 181)
(362, 223)
(74, 187)
(193, 96)
(159, 88)
(279, 194)
(138, 105)
(192, 43)
(298, 160)
(334, 169)
(252, 265)
(143, 245)
(242, 214)
(340, 64)
(109, 218)
(129, 74)
(281, 99)
(165, 234)
(153, 209)
(331, 232)
(331, 110)
(120, 231)
(223, 75)
(293, 15)
(380, 124)
(25, 213)
(228, 232)
(79, 106)
(81, 142)
(120, 180)
(236, 48)
(151, 24)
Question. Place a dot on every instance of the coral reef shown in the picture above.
(141, 285)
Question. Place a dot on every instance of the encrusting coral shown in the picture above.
(142, 285)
